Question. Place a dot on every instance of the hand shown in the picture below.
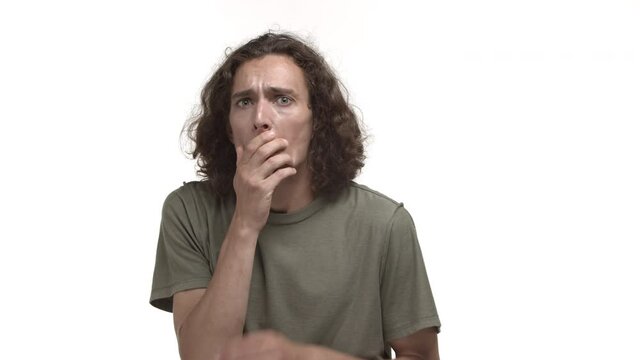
(260, 167)
(262, 345)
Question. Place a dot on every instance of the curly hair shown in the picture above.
(336, 150)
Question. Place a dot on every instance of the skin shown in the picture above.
(270, 95)
(271, 124)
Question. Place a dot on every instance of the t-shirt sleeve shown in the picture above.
(407, 301)
(181, 260)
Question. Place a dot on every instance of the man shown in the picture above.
(278, 254)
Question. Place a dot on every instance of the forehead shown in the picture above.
(269, 71)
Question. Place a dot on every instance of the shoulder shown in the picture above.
(193, 197)
(369, 196)
(372, 195)
(194, 207)
(372, 203)
(191, 189)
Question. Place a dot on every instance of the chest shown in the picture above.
(311, 276)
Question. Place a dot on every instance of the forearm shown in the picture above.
(220, 314)
(316, 352)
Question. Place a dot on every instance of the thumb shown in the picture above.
(239, 152)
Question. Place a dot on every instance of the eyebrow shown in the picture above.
(270, 89)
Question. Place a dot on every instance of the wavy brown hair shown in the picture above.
(336, 150)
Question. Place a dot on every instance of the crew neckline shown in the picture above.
(276, 218)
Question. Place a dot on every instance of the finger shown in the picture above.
(239, 152)
(255, 144)
(274, 179)
(268, 149)
(274, 163)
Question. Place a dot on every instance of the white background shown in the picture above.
(510, 130)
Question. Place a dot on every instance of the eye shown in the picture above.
(243, 102)
(284, 100)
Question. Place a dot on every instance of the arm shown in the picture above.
(408, 304)
(206, 319)
(268, 344)
(421, 345)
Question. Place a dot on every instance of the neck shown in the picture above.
(293, 193)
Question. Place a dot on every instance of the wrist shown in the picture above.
(241, 229)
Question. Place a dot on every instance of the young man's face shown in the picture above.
(270, 93)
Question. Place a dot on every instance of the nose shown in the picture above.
(263, 117)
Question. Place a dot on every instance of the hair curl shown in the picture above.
(336, 150)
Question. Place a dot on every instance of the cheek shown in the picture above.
(301, 137)
(237, 134)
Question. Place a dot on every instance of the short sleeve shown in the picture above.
(181, 260)
(407, 300)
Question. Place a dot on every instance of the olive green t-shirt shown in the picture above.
(347, 274)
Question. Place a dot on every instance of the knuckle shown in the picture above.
(271, 161)
(281, 173)
(252, 147)
(253, 183)
(263, 187)
(262, 152)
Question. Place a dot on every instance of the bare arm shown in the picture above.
(206, 319)
(421, 345)
(268, 344)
